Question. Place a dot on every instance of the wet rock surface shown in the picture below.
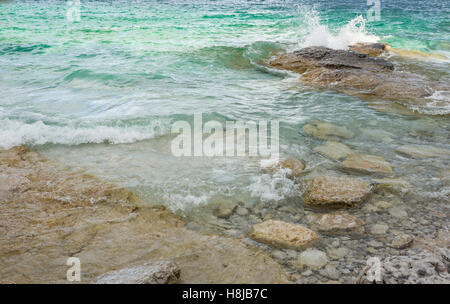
(282, 234)
(367, 164)
(326, 130)
(335, 192)
(334, 150)
(48, 214)
(336, 223)
(420, 267)
(158, 272)
(356, 73)
(294, 167)
(420, 151)
(371, 49)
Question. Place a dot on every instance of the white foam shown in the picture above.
(14, 133)
(273, 188)
(439, 104)
(321, 35)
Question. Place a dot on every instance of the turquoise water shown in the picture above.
(101, 94)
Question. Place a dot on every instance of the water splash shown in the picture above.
(319, 34)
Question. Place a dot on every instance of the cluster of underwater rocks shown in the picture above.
(49, 213)
(346, 216)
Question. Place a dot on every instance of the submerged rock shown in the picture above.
(394, 185)
(367, 164)
(326, 130)
(336, 223)
(358, 74)
(158, 272)
(424, 267)
(67, 214)
(313, 258)
(421, 151)
(334, 150)
(223, 208)
(379, 229)
(282, 234)
(329, 191)
(294, 167)
(401, 240)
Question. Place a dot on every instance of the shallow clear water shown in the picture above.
(101, 94)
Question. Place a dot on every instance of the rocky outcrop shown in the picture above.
(282, 234)
(335, 192)
(49, 213)
(158, 272)
(367, 164)
(359, 74)
(336, 223)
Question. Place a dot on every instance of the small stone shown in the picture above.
(295, 168)
(242, 211)
(393, 185)
(398, 212)
(282, 234)
(325, 130)
(329, 191)
(278, 254)
(307, 273)
(338, 253)
(159, 272)
(367, 164)
(382, 204)
(337, 223)
(313, 258)
(401, 240)
(330, 272)
(336, 243)
(224, 210)
(379, 229)
(334, 150)
(422, 151)
(375, 244)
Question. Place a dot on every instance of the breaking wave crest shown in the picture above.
(14, 133)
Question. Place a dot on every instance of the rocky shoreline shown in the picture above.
(49, 214)
(360, 71)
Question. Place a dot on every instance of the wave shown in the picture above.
(14, 133)
(318, 34)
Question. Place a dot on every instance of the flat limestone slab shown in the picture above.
(54, 213)
(337, 223)
(367, 164)
(334, 150)
(282, 234)
(421, 151)
(326, 130)
(330, 191)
